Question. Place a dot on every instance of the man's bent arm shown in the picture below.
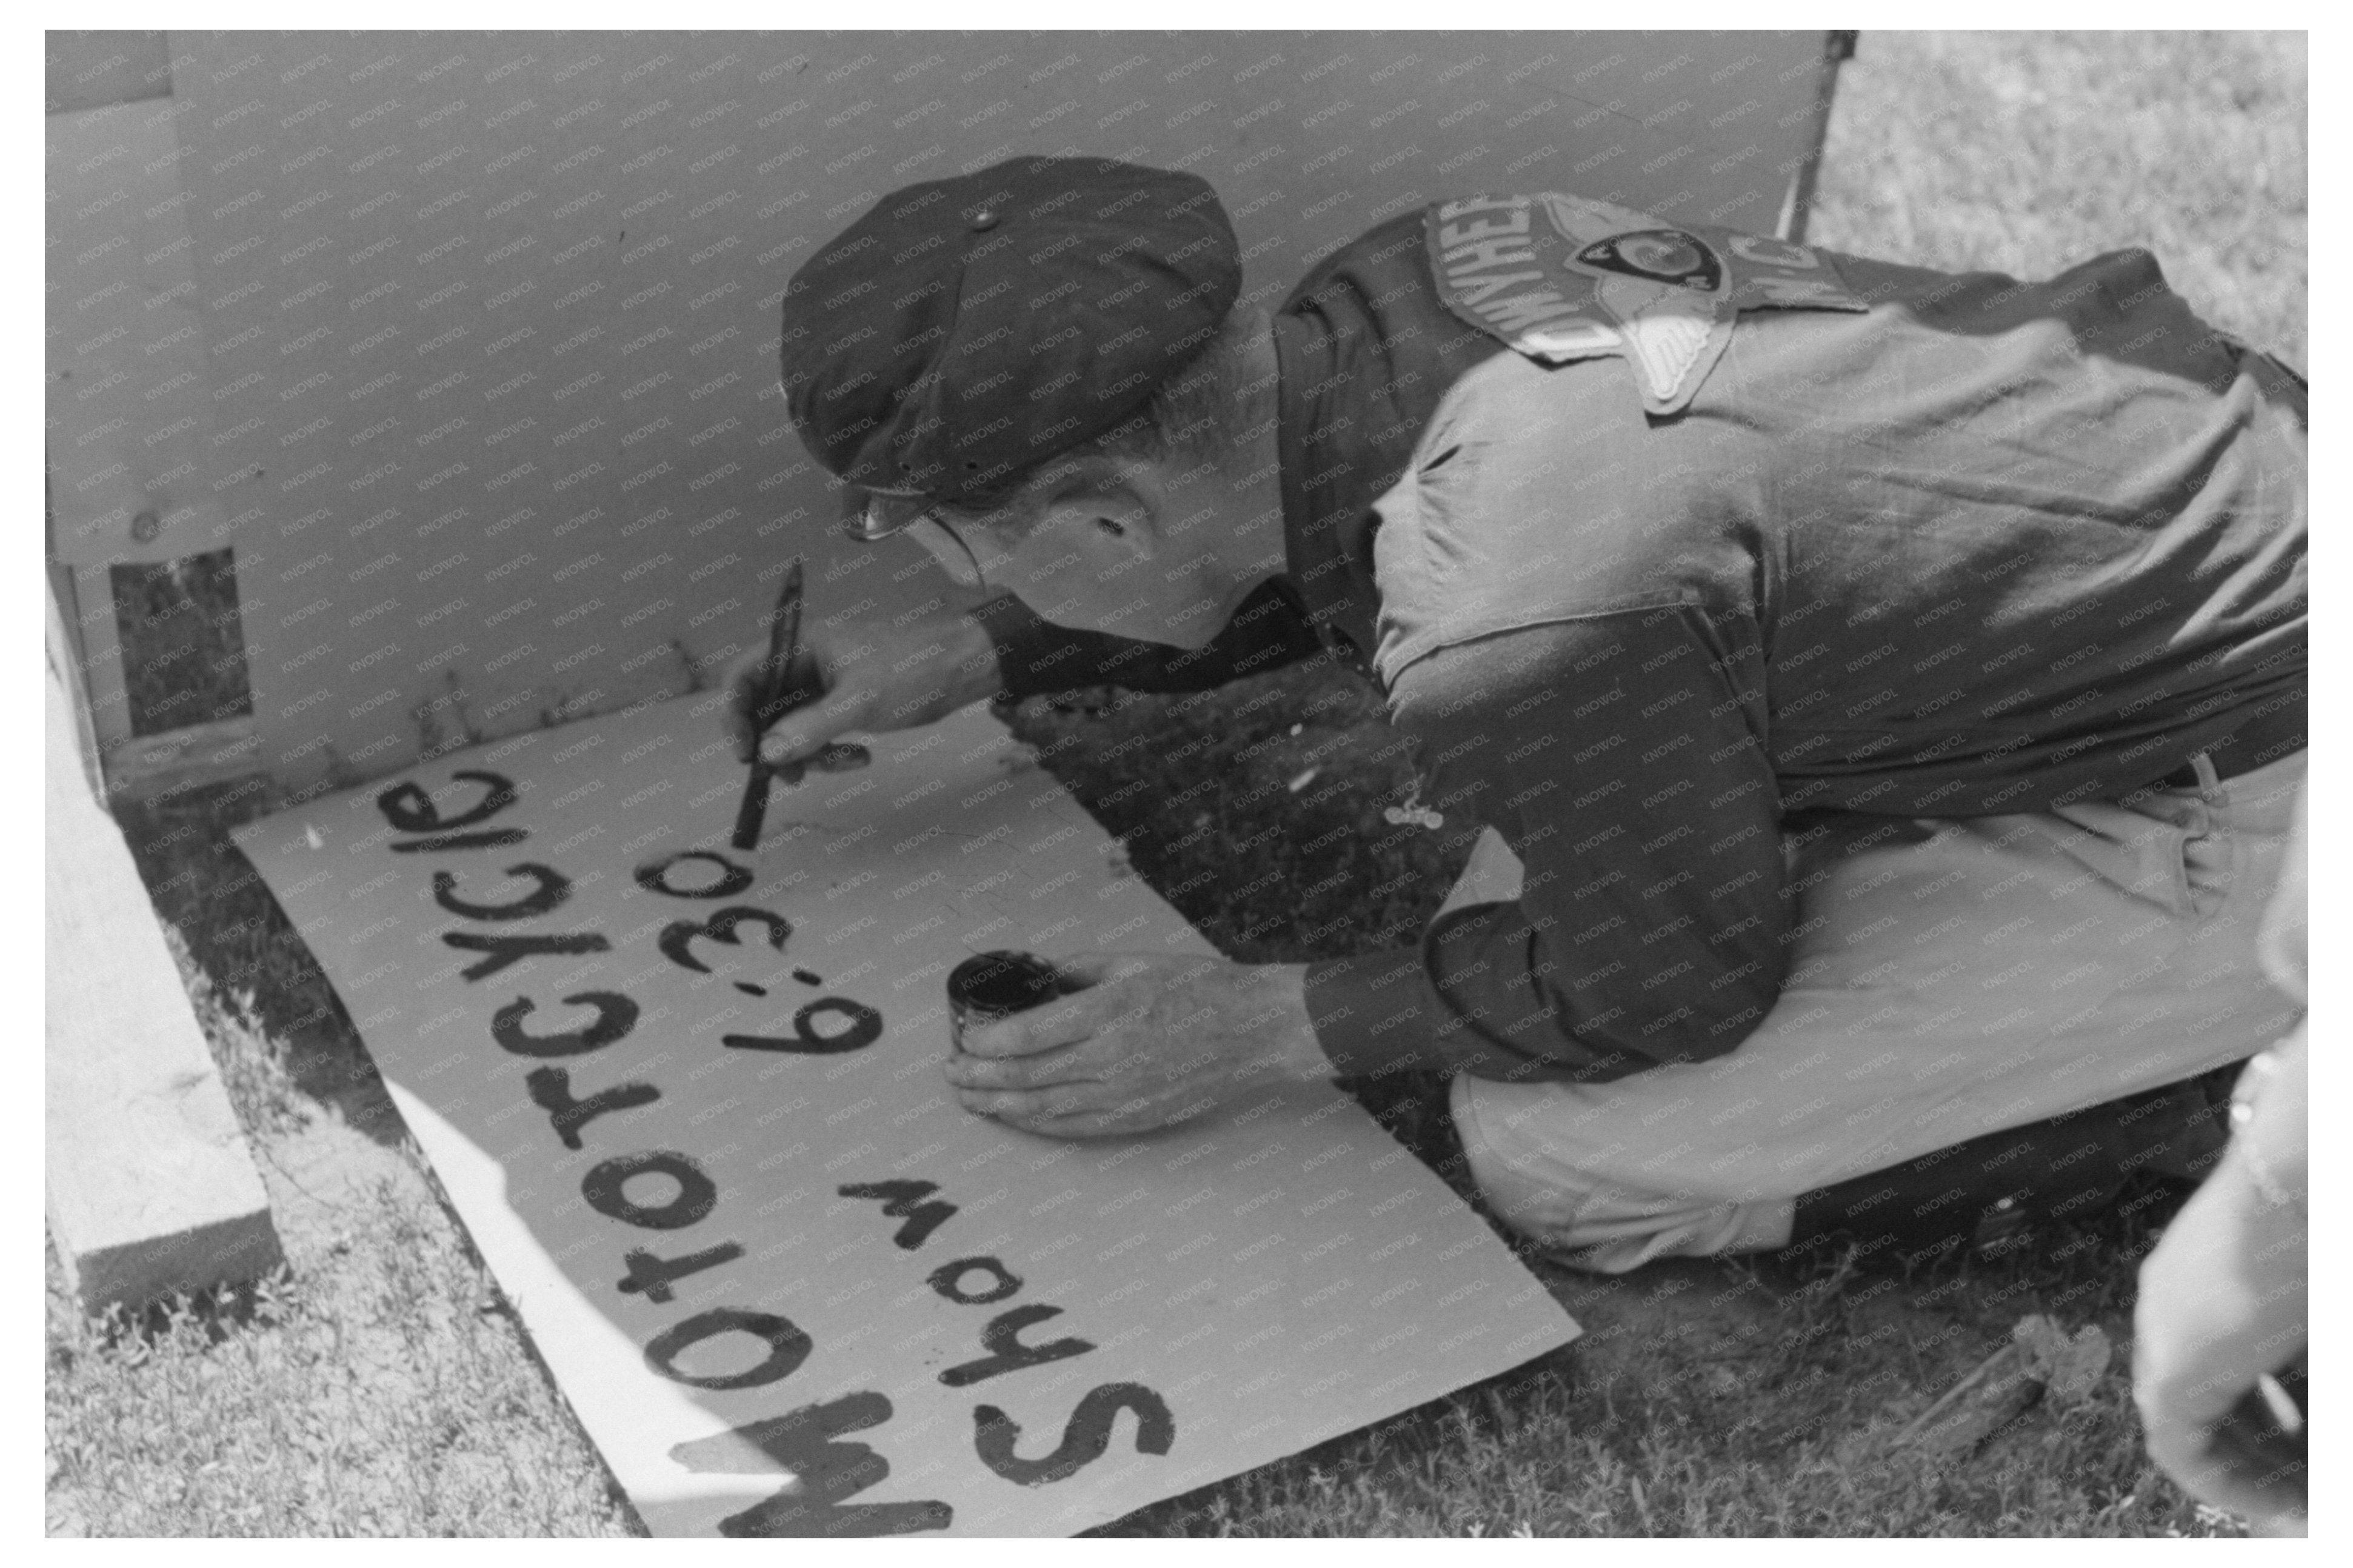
(1652, 926)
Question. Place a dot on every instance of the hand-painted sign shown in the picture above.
(686, 1100)
(1563, 278)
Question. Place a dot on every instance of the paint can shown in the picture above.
(992, 985)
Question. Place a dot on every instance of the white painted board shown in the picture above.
(1244, 1287)
(150, 1188)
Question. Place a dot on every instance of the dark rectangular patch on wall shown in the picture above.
(183, 644)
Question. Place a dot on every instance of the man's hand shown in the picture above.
(2223, 1302)
(1154, 1040)
(873, 677)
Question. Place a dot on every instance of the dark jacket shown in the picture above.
(1982, 547)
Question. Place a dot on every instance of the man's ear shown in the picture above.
(1105, 500)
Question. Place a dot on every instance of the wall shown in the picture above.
(488, 406)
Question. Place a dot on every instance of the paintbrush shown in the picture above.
(781, 697)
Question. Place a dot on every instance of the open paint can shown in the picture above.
(992, 985)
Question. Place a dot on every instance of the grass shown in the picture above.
(379, 1386)
(1764, 1408)
(377, 1391)
(375, 1385)
(2026, 153)
(183, 643)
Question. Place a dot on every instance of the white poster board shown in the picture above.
(687, 1101)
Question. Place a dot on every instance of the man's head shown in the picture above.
(1039, 372)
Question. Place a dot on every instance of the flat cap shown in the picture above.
(964, 329)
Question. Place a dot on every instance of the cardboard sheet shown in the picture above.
(687, 1101)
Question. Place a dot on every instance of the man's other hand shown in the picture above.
(2223, 1302)
(872, 678)
(1154, 1040)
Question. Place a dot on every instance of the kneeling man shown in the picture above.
(1883, 688)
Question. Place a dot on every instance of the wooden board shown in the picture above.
(823, 1267)
(150, 1188)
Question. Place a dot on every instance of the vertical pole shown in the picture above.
(68, 650)
(1837, 46)
(65, 665)
(105, 693)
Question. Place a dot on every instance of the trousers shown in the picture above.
(1948, 977)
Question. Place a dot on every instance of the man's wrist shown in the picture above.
(2269, 1131)
(1298, 1057)
(979, 674)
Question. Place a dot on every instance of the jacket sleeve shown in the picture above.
(1618, 756)
(1036, 657)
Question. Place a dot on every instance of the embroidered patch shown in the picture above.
(1562, 278)
(1661, 255)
